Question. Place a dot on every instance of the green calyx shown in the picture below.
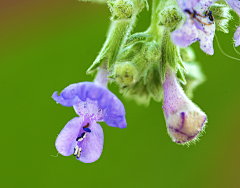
(221, 14)
(170, 16)
(149, 86)
(121, 9)
(170, 55)
(124, 73)
(123, 20)
(134, 61)
(116, 37)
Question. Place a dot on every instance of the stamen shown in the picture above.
(86, 125)
(79, 152)
(75, 150)
(87, 129)
(80, 138)
(207, 14)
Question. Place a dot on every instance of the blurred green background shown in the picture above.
(45, 45)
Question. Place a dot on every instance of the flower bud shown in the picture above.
(183, 118)
(133, 64)
(121, 9)
(152, 51)
(149, 86)
(170, 16)
(125, 73)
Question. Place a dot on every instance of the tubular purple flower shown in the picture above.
(199, 25)
(183, 118)
(93, 102)
(235, 5)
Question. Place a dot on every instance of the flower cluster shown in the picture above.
(154, 64)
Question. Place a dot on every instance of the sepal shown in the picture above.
(136, 37)
(134, 61)
(149, 86)
(180, 75)
(170, 16)
(121, 9)
(170, 54)
(221, 14)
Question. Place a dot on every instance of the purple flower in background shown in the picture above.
(183, 118)
(235, 5)
(198, 26)
(83, 136)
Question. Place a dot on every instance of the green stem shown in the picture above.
(154, 19)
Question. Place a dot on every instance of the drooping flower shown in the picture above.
(83, 136)
(199, 25)
(183, 118)
(235, 5)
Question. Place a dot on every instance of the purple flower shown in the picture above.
(235, 4)
(183, 118)
(83, 136)
(199, 25)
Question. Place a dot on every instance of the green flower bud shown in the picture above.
(121, 9)
(152, 51)
(153, 82)
(149, 86)
(221, 14)
(170, 16)
(134, 60)
(187, 54)
(125, 73)
(138, 92)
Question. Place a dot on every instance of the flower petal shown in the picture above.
(186, 35)
(187, 4)
(206, 42)
(183, 118)
(92, 144)
(69, 92)
(237, 37)
(96, 97)
(64, 102)
(115, 114)
(203, 5)
(66, 140)
(235, 5)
